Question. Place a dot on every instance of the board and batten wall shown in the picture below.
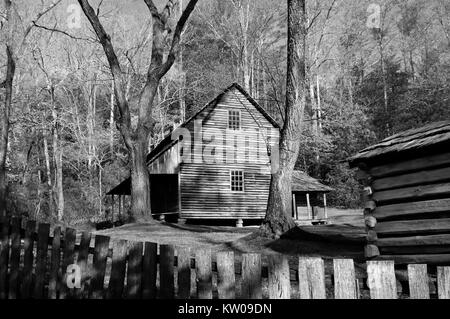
(205, 187)
(407, 209)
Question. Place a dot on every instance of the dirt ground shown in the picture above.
(342, 237)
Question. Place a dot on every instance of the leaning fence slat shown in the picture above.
(55, 271)
(119, 260)
(344, 279)
(311, 275)
(28, 246)
(149, 269)
(68, 259)
(381, 279)
(14, 260)
(166, 276)
(4, 257)
(41, 260)
(82, 262)
(418, 282)
(225, 275)
(251, 276)
(184, 272)
(279, 278)
(203, 270)
(443, 282)
(99, 267)
(134, 270)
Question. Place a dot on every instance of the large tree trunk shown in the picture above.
(8, 84)
(279, 208)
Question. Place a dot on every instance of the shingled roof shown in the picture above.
(302, 182)
(428, 138)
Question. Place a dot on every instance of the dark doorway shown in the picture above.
(164, 193)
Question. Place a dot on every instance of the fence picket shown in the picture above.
(119, 259)
(99, 267)
(443, 282)
(311, 275)
(14, 260)
(68, 259)
(381, 279)
(41, 260)
(55, 271)
(184, 272)
(279, 278)
(418, 282)
(251, 276)
(82, 262)
(203, 269)
(28, 246)
(166, 275)
(225, 275)
(4, 257)
(344, 279)
(134, 270)
(149, 270)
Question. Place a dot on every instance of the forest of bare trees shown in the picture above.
(76, 78)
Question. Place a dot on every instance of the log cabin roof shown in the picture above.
(302, 182)
(413, 142)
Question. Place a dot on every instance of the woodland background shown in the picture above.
(65, 151)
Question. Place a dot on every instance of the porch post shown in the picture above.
(308, 206)
(112, 207)
(325, 205)
(294, 207)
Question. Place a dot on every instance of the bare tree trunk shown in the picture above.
(49, 178)
(279, 208)
(111, 120)
(8, 84)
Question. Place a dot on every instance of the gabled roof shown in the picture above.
(168, 139)
(302, 182)
(407, 142)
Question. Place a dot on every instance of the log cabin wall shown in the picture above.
(205, 187)
(407, 209)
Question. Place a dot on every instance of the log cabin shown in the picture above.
(406, 180)
(217, 166)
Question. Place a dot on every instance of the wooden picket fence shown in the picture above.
(33, 265)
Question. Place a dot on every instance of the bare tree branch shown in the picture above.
(54, 29)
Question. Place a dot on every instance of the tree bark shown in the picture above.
(10, 72)
(279, 208)
(136, 141)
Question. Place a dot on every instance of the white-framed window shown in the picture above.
(237, 180)
(234, 120)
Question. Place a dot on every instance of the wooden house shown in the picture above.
(217, 164)
(309, 199)
(406, 180)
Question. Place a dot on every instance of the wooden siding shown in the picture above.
(205, 187)
(167, 162)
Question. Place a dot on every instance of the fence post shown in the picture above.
(82, 262)
(14, 262)
(116, 282)
(98, 278)
(68, 259)
(279, 278)
(344, 279)
(204, 274)
(134, 270)
(381, 279)
(28, 244)
(311, 275)
(443, 282)
(41, 260)
(184, 272)
(4, 256)
(55, 271)
(166, 275)
(226, 280)
(418, 282)
(251, 276)
(149, 271)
